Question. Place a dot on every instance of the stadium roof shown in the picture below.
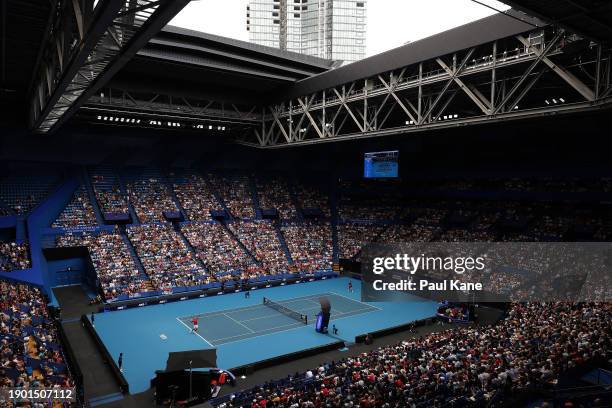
(591, 18)
(469, 35)
(191, 63)
(25, 23)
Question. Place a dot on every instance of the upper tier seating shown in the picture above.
(273, 192)
(310, 245)
(165, 257)
(261, 239)
(150, 196)
(236, 193)
(195, 196)
(78, 212)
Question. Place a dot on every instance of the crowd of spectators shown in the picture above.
(165, 256)
(311, 196)
(466, 235)
(273, 192)
(235, 191)
(352, 238)
(78, 212)
(24, 189)
(349, 211)
(529, 349)
(310, 245)
(217, 249)
(109, 195)
(14, 256)
(399, 233)
(150, 197)
(195, 197)
(30, 352)
(261, 239)
(116, 270)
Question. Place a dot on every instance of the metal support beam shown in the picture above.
(105, 43)
(474, 94)
(567, 76)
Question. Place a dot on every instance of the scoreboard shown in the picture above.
(381, 164)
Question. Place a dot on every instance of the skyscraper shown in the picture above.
(332, 29)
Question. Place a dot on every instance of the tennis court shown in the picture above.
(244, 330)
(228, 326)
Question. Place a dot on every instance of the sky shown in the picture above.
(391, 23)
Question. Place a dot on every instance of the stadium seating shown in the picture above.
(235, 191)
(14, 256)
(470, 366)
(310, 245)
(261, 239)
(79, 212)
(274, 193)
(107, 188)
(150, 196)
(195, 196)
(20, 193)
(166, 258)
(117, 272)
(30, 351)
(352, 237)
(219, 252)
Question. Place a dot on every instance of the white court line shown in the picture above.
(196, 333)
(252, 337)
(301, 311)
(259, 305)
(220, 313)
(356, 301)
(243, 325)
(286, 330)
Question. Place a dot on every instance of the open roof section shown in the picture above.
(466, 36)
(192, 64)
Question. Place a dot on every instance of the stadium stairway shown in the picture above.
(215, 193)
(281, 239)
(255, 198)
(135, 219)
(294, 199)
(190, 247)
(92, 195)
(244, 248)
(136, 258)
(173, 196)
(335, 244)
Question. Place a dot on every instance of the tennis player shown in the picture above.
(194, 321)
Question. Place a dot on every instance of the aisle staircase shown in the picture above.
(131, 209)
(91, 194)
(143, 273)
(281, 239)
(194, 252)
(244, 248)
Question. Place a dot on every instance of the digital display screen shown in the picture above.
(381, 164)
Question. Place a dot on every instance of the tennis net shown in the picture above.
(286, 311)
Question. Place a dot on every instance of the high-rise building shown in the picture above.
(332, 29)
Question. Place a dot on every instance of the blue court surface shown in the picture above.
(245, 331)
